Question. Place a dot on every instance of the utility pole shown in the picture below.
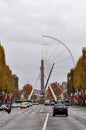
(42, 81)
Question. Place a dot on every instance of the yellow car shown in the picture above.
(23, 105)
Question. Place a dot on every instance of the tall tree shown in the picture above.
(27, 90)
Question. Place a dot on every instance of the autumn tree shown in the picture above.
(14, 84)
(6, 81)
(78, 77)
(70, 82)
(27, 90)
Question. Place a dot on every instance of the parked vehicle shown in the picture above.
(14, 105)
(52, 103)
(60, 109)
(67, 102)
(29, 104)
(3, 107)
(47, 102)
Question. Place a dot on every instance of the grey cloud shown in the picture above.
(23, 22)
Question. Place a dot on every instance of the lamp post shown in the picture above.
(42, 81)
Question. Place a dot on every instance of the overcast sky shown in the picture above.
(24, 22)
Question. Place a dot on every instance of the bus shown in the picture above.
(20, 101)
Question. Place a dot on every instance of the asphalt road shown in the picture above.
(39, 117)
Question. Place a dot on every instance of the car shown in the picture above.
(14, 105)
(29, 104)
(35, 103)
(47, 102)
(52, 103)
(18, 104)
(0, 107)
(3, 107)
(60, 109)
(23, 105)
(67, 102)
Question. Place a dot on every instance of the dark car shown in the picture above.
(67, 102)
(60, 109)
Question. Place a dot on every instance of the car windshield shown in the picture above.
(60, 105)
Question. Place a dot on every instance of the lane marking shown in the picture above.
(45, 123)
(41, 108)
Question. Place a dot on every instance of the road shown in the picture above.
(39, 117)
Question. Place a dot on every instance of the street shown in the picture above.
(39, 117)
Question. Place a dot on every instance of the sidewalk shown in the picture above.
(78, 106)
